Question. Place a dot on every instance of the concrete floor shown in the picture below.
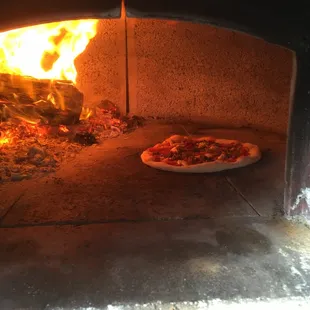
(108, 230)
(236, 260)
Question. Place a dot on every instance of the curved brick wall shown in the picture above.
(102, 66)
(188, 71)
(214, 75)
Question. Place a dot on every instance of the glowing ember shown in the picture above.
(5, 137)
(23, 130)
(63, 128)
(45, 51)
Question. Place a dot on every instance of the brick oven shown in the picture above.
(166, 62)
(83, 221)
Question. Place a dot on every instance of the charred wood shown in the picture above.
(39, 100)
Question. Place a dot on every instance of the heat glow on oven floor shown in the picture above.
(108, 182)
(106, 231)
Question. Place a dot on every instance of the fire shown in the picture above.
(45, 51)
(86, 113)
(32, 60)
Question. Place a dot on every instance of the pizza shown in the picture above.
(200, 155)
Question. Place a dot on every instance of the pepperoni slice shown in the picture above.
(165, 150)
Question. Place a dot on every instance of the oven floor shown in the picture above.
(109, 182)
(108, 230)
(247, 263)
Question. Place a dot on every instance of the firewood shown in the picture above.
(46, 101)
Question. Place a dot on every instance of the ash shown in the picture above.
(28, 150)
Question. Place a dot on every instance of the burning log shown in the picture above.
(33, 100)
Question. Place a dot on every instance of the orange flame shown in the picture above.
(45, 51)
(86, 113)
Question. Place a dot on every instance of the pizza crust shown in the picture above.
(208, 167)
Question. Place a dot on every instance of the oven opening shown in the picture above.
(87, 222)
(80, 101)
